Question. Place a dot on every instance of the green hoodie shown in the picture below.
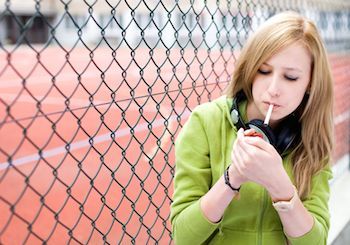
(203, 150)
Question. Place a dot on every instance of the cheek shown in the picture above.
(300, 91)
(295, 99)
(258, 87)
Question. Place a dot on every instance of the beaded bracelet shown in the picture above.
(227, 180)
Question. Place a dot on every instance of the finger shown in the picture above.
(236, 163)
(240, 137)
(241, 141)
(242, 155)
(240, 133)
(249, 132)
(243, 148)
(241, 151)
(259, 143)
(235, 171)
(236, 153)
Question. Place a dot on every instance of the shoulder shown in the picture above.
(213, 111)
(206, 120)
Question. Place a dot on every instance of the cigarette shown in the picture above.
(268, 115)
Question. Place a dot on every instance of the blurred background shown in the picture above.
(94, 93)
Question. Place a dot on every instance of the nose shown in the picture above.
(273, 88)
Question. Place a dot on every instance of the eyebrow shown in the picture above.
(286, 68)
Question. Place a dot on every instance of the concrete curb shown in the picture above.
(339, 202)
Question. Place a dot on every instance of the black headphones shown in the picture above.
(286, 135)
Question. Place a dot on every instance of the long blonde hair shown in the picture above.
(314, 150)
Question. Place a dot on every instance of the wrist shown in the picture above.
(280, 187)
(232, 179)
(235, 178)
(286, 205)
(282, 192)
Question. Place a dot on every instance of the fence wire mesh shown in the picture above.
(93, 94)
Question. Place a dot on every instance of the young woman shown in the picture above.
(240, 180)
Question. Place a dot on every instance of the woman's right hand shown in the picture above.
(236, 178)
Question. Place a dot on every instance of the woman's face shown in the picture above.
(282, 81)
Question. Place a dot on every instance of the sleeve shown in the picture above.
(192, 180)
(317, 204)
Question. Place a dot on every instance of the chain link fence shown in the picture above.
(92, 96)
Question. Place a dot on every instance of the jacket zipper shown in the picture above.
(261, 218)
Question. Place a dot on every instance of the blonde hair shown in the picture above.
(314, 150)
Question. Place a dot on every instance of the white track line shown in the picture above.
(85, 143)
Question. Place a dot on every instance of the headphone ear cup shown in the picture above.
(288, 135)
(284, 141)
(235, 116)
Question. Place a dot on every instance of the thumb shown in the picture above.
(240, 132)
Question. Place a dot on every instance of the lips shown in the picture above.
(275, 106)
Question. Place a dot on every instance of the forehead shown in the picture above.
(295, 57)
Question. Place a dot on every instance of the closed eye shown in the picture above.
(291, 78)
(264, 72)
